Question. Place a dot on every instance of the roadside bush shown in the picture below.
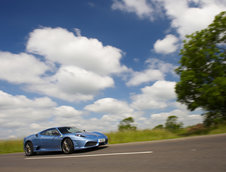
(196, 130)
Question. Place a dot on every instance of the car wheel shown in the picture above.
(67, 146)
(29, 149)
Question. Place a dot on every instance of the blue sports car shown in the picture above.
(66, 139)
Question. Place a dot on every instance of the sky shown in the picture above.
(92, 63)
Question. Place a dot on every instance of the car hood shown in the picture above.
(90, 134)
(29, 137)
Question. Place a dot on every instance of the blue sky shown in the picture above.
(93, 63)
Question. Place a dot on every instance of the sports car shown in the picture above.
(66, 139)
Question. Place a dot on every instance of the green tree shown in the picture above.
(172, 124)
(160, 126)
(127, 124)
(213, 120)
(202, 70)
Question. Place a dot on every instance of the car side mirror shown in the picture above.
(36, 135)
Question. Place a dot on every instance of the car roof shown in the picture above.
(55, 128)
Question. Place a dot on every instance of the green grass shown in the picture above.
(218, 130)
(12, 146)
(139, 135)
(157, 134)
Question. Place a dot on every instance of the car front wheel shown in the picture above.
(29, 149)
(67, 146)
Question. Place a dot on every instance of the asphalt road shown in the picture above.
(196, 154)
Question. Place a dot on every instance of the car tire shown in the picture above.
(28, 148)
(67, 146)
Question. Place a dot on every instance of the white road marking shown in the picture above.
(92, 155)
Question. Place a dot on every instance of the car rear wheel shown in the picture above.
(29, 149)
(67, 146)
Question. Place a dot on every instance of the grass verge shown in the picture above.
(218, 130)
(11, 146)
(139, 135)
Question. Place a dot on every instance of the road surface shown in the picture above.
(195, 154)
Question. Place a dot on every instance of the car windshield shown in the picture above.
(65, 130)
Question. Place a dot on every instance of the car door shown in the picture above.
(50, 140)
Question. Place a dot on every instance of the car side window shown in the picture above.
(54, 132)
(50, 132)
(45, 133)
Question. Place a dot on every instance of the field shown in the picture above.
(13, 146)
(140, 135)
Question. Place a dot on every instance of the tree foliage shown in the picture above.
(127, 124)
(160, 126)
(214, 119)
(172, 124)
(202, 69)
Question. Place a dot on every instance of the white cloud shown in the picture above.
(186, 117)
(78, 32)
(85, 64)
(112, 112)
(73, 68)
(187, 18)
(21, 116)
(17, 112)
(145, 76)
(61, 46)
(73, 84)
(67, 112)
(167, 45)
(7, 100)
(156, 96)
(155, 71)
(109, 105)
(73, 79)
(21, 68)
(140, 7)
(164, 67)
